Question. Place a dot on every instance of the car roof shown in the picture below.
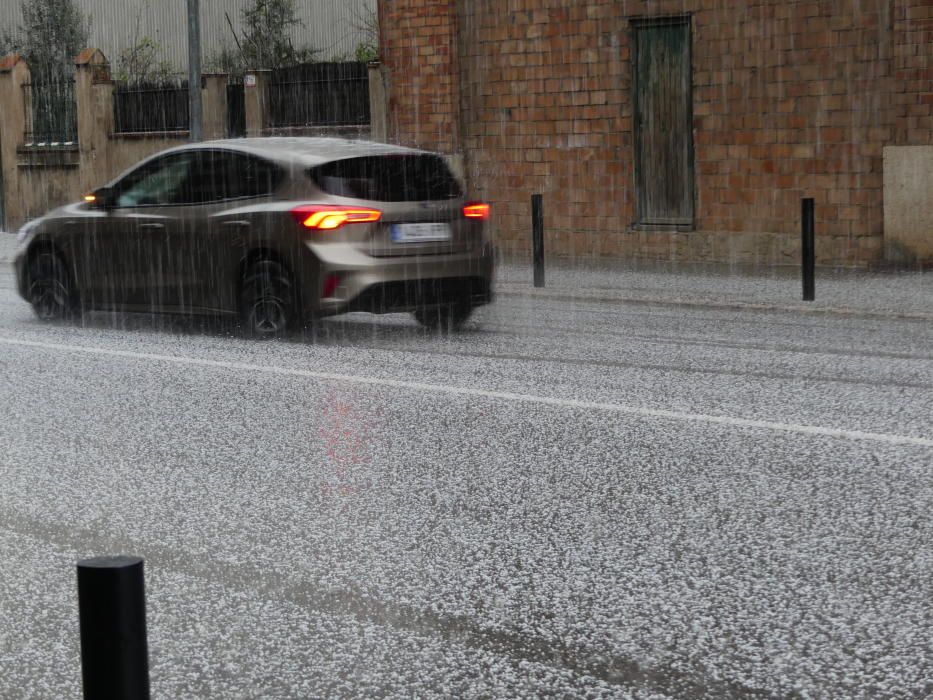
(303, 151)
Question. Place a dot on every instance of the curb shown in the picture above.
(710, 304)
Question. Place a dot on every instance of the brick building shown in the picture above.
(678, 129)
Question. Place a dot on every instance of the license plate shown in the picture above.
(420, 233)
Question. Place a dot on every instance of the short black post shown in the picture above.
(537, 238)
(112, 612)
(807, 248)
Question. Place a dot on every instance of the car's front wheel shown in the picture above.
(51, 292)
(268, 307)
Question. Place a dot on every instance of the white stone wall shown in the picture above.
(908, 203)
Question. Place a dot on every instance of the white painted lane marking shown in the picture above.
(887, 438)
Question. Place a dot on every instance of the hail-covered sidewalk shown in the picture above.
(857, 292)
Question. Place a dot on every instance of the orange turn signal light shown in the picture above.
(476, 210)
(327, 217)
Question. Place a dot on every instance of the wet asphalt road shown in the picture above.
(567, 499)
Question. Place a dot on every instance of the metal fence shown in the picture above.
(236, 107)
(150, 107)
(51, 112)
(319, 94)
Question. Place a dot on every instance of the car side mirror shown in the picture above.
(101, 198)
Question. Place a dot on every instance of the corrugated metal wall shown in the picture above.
(329, 25)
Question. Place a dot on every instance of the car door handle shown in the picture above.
(152, 227)
(237, 224)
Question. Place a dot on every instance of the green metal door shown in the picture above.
(663, 116)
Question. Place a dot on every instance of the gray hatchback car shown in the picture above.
(273, 231)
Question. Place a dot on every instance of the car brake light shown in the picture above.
(327, 217)
(476, 210)
(331, 282)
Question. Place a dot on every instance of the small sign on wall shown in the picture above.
(249, 80)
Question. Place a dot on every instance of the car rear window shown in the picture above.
(392, 178)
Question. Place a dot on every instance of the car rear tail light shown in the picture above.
(327, 217)
(331, 282)
(476, 210)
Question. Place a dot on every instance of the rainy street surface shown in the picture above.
(571, 498)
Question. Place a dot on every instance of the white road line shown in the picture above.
(886, 438)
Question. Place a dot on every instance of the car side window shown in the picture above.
(197, 177)
(207, 182)
(247, 176)
(160, 182)
(215, 173)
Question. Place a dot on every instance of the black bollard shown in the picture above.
(537, 238)
(112, 612)
(808, 248)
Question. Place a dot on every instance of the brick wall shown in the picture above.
(790, 99)
(913, 72)
(418, 39)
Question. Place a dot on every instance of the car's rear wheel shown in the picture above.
(268, 307)
(51, 292)
(444, 317)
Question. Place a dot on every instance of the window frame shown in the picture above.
(156, 162)
(277, 171)
(641, 221)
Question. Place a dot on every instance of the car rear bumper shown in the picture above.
(356, 282)
(408, 295)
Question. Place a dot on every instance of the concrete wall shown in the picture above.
(908, 203)
(36, 179)
(13, 73)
